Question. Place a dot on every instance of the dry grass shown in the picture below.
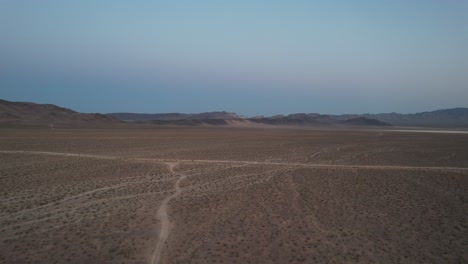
(246, 198)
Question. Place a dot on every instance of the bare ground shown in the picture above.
(182, 195)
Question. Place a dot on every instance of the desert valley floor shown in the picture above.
(214, 195)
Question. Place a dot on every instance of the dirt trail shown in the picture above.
(164, 218)
(50, 153)
(309, 165)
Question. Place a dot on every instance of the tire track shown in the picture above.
(308, 165)
(74, 197)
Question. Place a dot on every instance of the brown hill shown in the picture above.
(25, 113)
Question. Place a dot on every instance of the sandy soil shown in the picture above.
(210, 195)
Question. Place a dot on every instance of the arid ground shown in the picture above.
(214, 195)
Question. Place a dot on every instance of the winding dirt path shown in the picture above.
(163, 216)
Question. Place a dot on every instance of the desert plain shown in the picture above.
(232, 195)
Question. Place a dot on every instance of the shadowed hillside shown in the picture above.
(455, 117)
(25, 113)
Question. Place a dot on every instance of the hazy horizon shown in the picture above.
(282, 113)
(248, 57)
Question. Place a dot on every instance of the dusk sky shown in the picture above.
(250, 57)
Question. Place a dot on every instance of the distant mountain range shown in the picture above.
(24, 113)
(175, 116)
(316, 120)
(455, 117)
(227, 118)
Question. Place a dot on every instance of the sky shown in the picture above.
(250, 57)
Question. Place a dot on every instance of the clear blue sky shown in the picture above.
(251, 57)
